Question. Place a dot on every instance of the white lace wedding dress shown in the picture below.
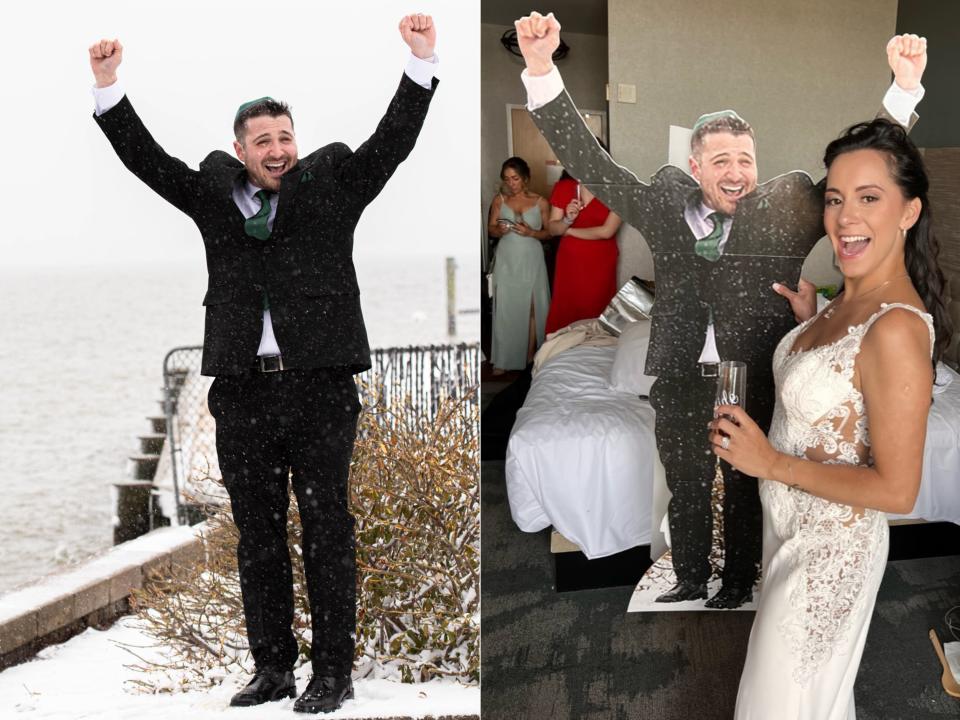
(822, 562)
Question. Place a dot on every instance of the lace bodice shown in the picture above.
(819, 412)
(819, 415)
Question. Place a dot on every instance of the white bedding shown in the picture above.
(939, 497)
(581, 457)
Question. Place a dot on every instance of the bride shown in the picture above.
(846, 442)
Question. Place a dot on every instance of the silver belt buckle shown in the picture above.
(270, 363)
(709, 370)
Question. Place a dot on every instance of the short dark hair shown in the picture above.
(724, 123)
(273, 108)
(518, 165)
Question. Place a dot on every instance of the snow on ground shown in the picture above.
(85, 678)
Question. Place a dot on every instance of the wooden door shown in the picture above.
(528, 143)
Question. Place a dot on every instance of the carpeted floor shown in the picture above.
(579, 655)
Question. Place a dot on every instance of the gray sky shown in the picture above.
(186, 68)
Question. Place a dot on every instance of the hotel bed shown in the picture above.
(939, 497)
(581, 457)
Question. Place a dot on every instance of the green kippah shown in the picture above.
(710, 117)
(251, 103)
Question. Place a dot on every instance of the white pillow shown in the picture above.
(627, 372)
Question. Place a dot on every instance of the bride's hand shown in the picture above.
(741, 442)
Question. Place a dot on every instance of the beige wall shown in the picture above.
(798, 72)
(584, 71)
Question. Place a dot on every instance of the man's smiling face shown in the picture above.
(268, 150)
(726, 169)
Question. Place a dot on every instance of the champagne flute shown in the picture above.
(731, 387)
(732, 384)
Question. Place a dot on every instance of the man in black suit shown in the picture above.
(284, 335)
(719, 243)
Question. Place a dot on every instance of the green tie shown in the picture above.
(709, 247)
(256, 226)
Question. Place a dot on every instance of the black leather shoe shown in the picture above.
(267, 685)
(324, 694)
(684, 590)
(729, 597)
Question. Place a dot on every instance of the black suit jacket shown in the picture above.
(306, 266)
(773, 231)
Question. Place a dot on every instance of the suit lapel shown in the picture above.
(289, 186)
(753, 211)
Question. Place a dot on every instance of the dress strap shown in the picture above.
(886, 307)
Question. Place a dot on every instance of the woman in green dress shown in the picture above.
(521, 294)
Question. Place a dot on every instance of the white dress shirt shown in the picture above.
(541, 89)
(244, 192)
(697, 216)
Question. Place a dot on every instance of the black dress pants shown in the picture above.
(272, 427)
(684, 406)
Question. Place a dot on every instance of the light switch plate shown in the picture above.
(626, 93)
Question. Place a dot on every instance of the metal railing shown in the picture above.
(416, 377)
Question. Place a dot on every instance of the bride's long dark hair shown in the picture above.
(921, 248)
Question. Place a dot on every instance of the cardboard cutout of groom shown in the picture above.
(719, 243)
(284, 336)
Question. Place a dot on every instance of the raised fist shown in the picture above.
(105, 56)
(538, 37)
(419, 34)
(907, 56)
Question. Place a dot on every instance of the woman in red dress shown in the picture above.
(585, 278)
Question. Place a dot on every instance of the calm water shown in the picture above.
(81, 367)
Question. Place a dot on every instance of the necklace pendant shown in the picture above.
(828, 313)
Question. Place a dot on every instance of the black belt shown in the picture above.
(270, 363)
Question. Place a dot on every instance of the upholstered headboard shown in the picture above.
(943, 166)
